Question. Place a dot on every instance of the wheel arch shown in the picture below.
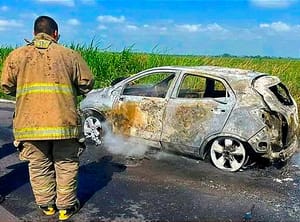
(93, 110)
(95, 134)
(204, 148)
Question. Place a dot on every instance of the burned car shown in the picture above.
(222, 113)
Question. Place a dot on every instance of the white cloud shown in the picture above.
(73, 22)
(69, 3)
(276, 26)
(215, 28)
(200, 28)
(189, 27)
(158, 29)
(102, 27)
(110, 19)
(132, 27)
(7, 24)
(4, 8)
(264, 25)
(273, 3)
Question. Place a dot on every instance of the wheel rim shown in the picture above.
(228, 154)
(92, 129)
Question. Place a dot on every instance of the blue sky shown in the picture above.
(199, 27)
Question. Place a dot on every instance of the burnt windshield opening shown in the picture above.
(282, 94)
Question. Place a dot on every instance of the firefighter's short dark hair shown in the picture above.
(45, 24)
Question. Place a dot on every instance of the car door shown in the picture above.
(198, 107)
(141, 105)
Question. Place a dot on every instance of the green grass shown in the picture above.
(4, 51)
(107, 65)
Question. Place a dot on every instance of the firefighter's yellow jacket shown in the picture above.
(46, 78)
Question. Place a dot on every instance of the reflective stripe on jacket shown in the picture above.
(46, 78)
(43, 88)
(46, 132)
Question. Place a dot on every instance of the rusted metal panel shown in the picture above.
(138, 118)
(189, 122)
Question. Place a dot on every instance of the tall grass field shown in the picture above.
(107, 65)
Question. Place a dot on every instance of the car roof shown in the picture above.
(229, 74)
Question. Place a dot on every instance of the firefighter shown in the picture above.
(46, 79)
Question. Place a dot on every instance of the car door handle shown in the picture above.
(218, 110)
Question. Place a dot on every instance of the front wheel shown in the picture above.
(93, 127)
(228, 153)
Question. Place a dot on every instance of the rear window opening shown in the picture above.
(281, 93)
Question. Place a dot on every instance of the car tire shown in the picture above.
(93, 128)
(228, 153)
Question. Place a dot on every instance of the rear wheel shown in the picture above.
(228, 153)
(93, 127)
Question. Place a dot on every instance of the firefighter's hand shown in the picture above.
(18, 145)
(82, 146)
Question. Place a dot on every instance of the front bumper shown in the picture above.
(283, 154)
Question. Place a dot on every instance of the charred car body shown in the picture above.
(224, 113)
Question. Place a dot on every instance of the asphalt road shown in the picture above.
(161, 187)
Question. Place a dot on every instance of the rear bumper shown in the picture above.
(283, 154)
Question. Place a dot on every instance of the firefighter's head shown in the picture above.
(46, 25)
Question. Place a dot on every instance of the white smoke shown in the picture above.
(161, 155)
(128, 147)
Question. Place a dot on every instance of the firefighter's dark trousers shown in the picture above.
(53, 170)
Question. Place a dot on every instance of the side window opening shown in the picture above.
(214, 89)
(153, 85)
(201, 87)
(281, 93)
